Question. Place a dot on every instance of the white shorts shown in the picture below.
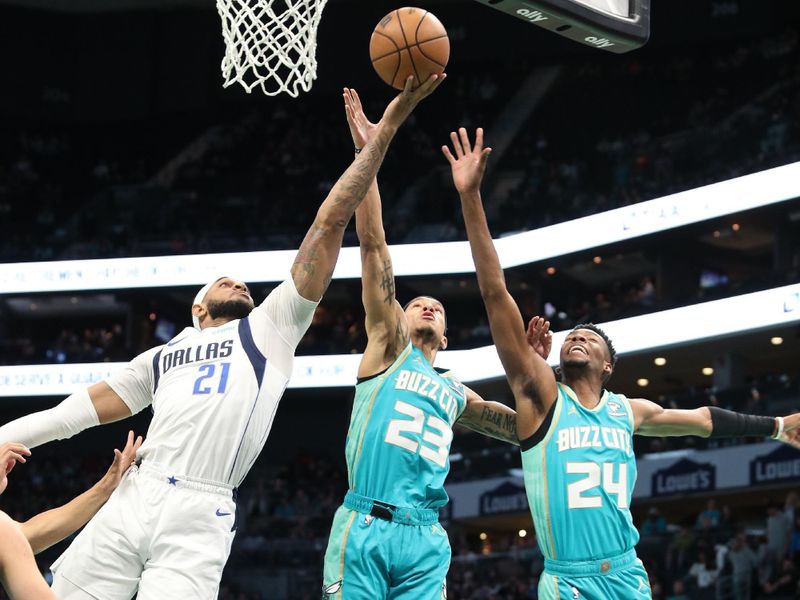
(159, 536)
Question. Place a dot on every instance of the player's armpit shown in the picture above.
(18, 572)
(493, 419)
(653, 420)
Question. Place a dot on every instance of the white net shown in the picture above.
(270, 44)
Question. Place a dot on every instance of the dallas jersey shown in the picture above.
(398, 443)
(579, 479)
(214, 392)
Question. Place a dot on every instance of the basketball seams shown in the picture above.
(419, 62)
(408, 48)
(416, 31)
(397, 49)
(421, 51)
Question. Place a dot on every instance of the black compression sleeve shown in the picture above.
(726, 423)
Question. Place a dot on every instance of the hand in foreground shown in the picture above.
(361, 128)
(122, 462)
(469, 163)
(10, 454)
(791, 430)
(405, 102)
(540, 338)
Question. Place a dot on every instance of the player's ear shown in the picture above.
(443, 343)
(199, 311)
(607, 370)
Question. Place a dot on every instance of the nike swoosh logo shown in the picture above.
(173, 342)
(221, 514)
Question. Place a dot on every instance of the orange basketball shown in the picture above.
(409, 41)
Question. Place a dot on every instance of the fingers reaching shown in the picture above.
(464, 138)
(12, 453)
(448, 155)
(355, 99)
(456, 144)
(408, 85)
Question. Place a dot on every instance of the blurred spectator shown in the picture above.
(654, 524)
(710, 517)
(743, 563)
(678, 591)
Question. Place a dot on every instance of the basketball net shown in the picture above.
(270, 44)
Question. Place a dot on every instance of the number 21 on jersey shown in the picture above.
(211, 377)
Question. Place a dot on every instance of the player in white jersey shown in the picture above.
(167, 531)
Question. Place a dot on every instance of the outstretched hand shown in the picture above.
(361, 128)
(405, 102)
(10, 454)
(122, 462)
(791, 430)
(540, 338)
(469, 163)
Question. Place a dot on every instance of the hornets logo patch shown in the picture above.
(329, 591)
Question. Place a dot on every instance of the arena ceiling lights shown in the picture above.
(714, 319)
(692, 206)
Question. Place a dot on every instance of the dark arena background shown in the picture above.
(119, 141)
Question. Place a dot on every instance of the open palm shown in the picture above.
(361, 128)
(539, 336)
(469, 163)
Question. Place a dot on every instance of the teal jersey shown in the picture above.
(398, 443)
(579, 479)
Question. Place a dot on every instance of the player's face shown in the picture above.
(426, 315)
(229, 298)
(584, 349)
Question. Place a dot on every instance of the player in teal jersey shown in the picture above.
(386, 541)
(575, 436)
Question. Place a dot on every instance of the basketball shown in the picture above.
(409, 41)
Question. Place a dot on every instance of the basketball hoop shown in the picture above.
(270, 44)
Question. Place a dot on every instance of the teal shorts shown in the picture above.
(372, 558)
(616, 578)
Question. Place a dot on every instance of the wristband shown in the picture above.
(778, 433)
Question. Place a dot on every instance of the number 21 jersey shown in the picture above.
(215, 392)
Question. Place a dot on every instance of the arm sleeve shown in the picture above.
(287, 310)
(134, 382)
(70, 416)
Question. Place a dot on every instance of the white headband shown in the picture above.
(198, 299)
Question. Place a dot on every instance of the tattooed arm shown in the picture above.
(494, 419)
(387, 331)
(313, 268)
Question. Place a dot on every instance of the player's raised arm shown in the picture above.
(650, 419)
(530, 377)
(386, 327)
(52, 526)
(313, 268)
